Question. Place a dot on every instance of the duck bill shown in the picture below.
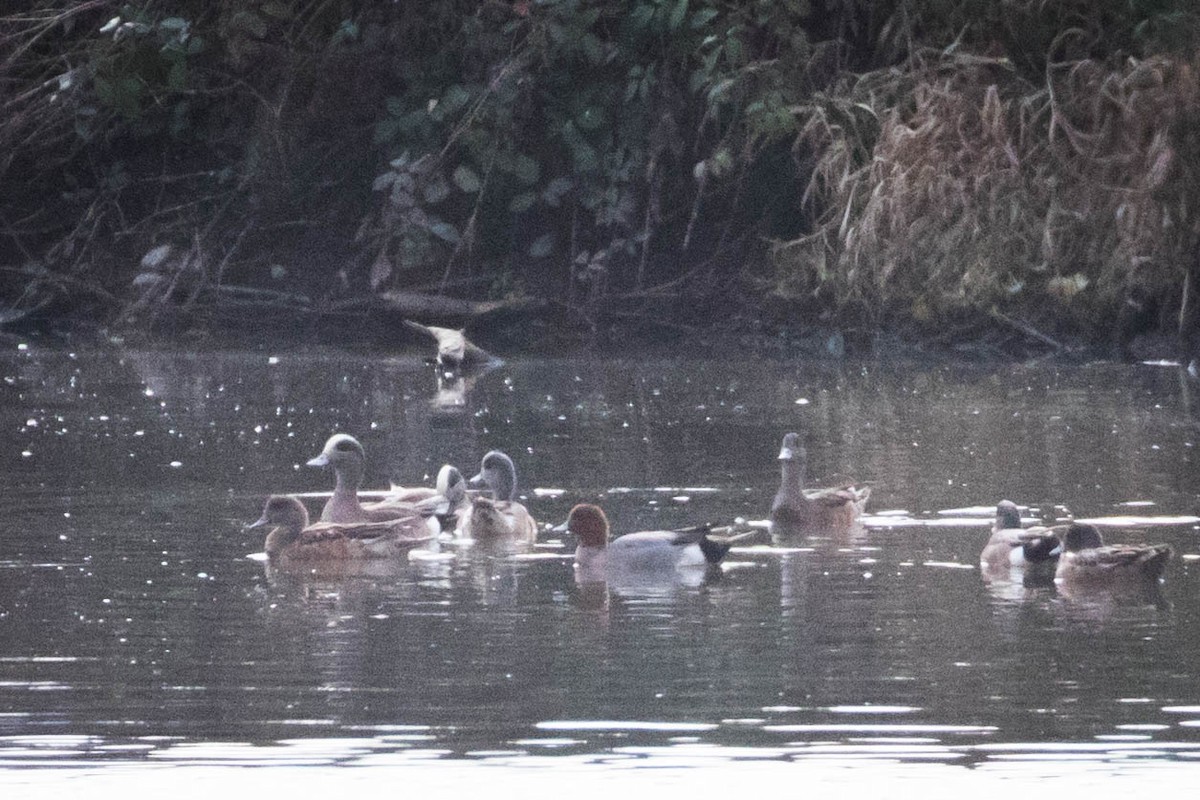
(318, 461)
(561, 528)
(477, 482)
(261, 522)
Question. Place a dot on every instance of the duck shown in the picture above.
(293, 539)
(446, 501)
(1012, 546)
(501, 516)
(1086, 560)
(491, 520)
(597, 555)
(346, 456)
(447, 493)
(799, 510)
(454, 350)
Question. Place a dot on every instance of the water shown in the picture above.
(136, 633)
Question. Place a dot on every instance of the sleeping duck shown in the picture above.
(1014, 547)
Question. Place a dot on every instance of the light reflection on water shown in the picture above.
(135, 630)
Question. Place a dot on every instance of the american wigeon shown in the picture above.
(597, 556)
(1013, 547)
(445, 500)
(294, 539)
(501, 516)
(1087, 560)
(796, 510)
(345, 455)
(489, 520)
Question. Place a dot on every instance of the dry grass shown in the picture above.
(957, 186)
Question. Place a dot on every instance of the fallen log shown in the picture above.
(415, 304)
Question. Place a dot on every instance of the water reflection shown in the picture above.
(134, 626)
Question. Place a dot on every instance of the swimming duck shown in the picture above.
(1014, 546)
(454, 349)
(796, 510)
(1087, 560)
(500, 516)
(649, 551)
(445, 496)
(346, 456)
(449, 499)
(294, 539)
(490, 520)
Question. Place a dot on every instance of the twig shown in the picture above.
(1027, 329)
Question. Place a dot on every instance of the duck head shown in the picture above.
(1008, 516)
(1081, 536)
(793, 460)
(341, 449)
(497, 474)
(792, 450)
(487, 521)
(588, 524)
(288, 516)
(451, 485)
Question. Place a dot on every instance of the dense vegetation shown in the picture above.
(939, 167)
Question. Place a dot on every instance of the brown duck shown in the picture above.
(293, 539)
(798, 510)
(1086, 560)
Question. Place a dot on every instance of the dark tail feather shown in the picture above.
(1041, 548)
(1156, 564)
(713, 550)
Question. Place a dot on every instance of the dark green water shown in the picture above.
(134, 630)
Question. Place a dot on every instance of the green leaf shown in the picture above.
(593, 49)
(590, 118)
(542, 246)
(733, 51)
(555, 190)
(177, 76)
(465, 179)
(704, 16)
(526, 170)
(383, 181)
(255, 25)
(677, 15)
(642, 15)
(453, 100)
(522, 202)
(436, 190)
(445, 231)
(277, 10)
(394, 105)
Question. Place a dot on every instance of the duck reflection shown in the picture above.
(1103, 601)
(452, 393)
